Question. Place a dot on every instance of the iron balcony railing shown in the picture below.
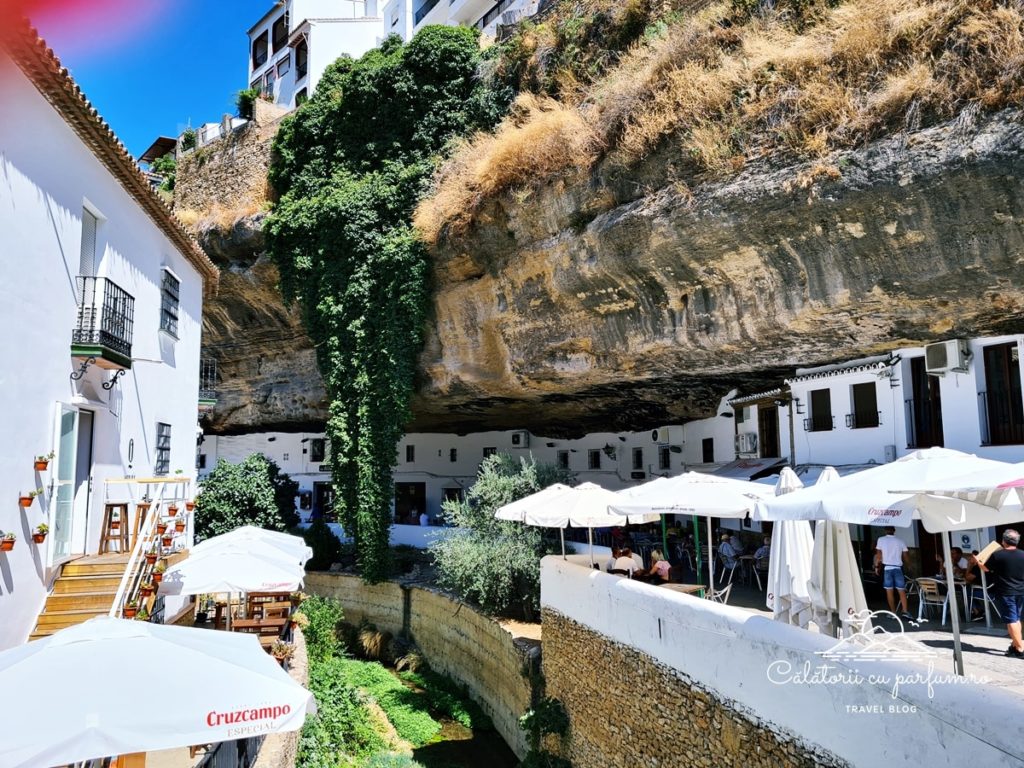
(426, 8)
(923, 431)
(106, 315)
(1002, 419)
(863, 419)
(826, 422)
(207, 380)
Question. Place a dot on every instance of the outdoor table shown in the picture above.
(686, 589)
(747, 561)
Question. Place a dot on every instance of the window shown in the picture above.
(285, 457)
(594, 459)
(260, 50)
(664, 457)
(707, 449)
(821, 411)
(741, 414)
(256, 85)
(301, 97)
(280, 33)
(169, 289)
(410, 453)
(163, 449)
(638, 458)
(490, 451)
(563, 459)
(87, 261)
(268, 82)
(202, 461)
(453, 454)
(1001, 404)
(301, 60)
(864, 398)
(284, 66)
(317, 449)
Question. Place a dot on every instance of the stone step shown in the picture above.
(66, 601)
(67, 618)
(72, 584)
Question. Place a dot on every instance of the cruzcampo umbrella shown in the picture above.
(294, 546)
(232, 569)
(789, 563)
(78, 692)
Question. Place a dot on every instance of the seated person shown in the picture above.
(616, 553)
(658, 573)
(625, 562)
(765, 550)
(727, 552)
(960, 564)
(736, 544)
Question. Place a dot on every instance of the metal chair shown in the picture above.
(930, 594)
(761, 566)
(721, 595)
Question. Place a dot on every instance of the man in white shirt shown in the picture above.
(890, 557)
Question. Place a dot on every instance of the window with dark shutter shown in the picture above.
(169, 298)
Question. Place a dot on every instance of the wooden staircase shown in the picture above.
(84, 589)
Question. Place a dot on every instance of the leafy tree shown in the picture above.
(325, 545)
(350, 165)
(252, 492)
(496, 564)
(167, 167)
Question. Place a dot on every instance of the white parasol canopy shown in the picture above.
(978, 499)
(835, 587)
(516, 511)
(232, 569)
(864, 497)
(789, 564)
(293, 546)
(218, 686)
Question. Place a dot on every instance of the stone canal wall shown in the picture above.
(651, 677)
(457, 640)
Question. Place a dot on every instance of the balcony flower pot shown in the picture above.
(167, 541)
(189, 506)
(160, 528)
(172, 510)
(179, 526)
(41, 466)
(157, 577)
(25, 501)
(38, 538)
(130, 611)
(151, 558)
(146, 590)
(7, 543)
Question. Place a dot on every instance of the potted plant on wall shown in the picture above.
(179, 525)
(7, 541)
(147, 588)
(26, 499)
(151, 557)
(172, 510)
(42, 462)
(115, 523)
(282, 651)
(39, 535)
(143, 615)
(158, 573)
(160, 528)
(189, 506)
(130, 609)
(166, 540)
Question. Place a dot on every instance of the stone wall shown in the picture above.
(229, 175)
(457, 640)
(280, 750)
(628, 710)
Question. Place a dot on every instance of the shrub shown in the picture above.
(189, 139)
(167, 167)
(322, 633)
(448, 697)
(252, 492)
(245, 100)
(326, 546)
(392, 761)
(496, 564)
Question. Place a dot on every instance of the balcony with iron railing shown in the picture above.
(824, 422)
(863, 419)
(1002, 419)
(207, 384)
(103, 330)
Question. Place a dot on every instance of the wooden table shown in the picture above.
(686, 589)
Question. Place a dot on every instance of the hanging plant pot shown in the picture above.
(189, 506)
(157, 578)
(6, 545)
(25, 501)
(145, 591)
(167, 540)
(129, 613)
(160, 528)
(41, 465)
(172, 510)
(151, 558)
(180, 526)
(38, 538)
(115, 525)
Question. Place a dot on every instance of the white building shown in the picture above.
(296, 40)
(101, 304)
(407, 17)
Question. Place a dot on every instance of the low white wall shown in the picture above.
(419, 536)
(731, 652)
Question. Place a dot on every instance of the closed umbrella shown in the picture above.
(789, 565)
(695, 493)
(294, 546)
(835, 587)
(218, 686)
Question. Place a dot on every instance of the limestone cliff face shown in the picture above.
(629, 300)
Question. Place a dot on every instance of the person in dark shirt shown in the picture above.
(1008, 567)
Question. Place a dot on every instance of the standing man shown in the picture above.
(1008, 566)
(890, 557)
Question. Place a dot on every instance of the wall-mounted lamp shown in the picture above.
(799, 406)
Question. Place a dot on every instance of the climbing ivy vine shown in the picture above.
(349, 168)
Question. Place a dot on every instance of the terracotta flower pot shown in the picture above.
(115, 525)
(190, 505)
(151, 558)
(160, 528)
(25, 501)
(129, 613)
(172, 511)
(180, 526)
(145, 591)
(157, 578)
(38, 538)
(167, 540)
(41, 466)
(6, 545)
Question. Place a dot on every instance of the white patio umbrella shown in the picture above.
(516, 511)
(979, 499)
(695, 493)
(864, 497)
(294, 546)
(789, 564)
(210, 687)
(835, 586)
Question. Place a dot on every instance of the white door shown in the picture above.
(72, 483)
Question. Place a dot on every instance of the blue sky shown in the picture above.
(179, 61)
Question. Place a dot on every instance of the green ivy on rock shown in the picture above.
(349, 167)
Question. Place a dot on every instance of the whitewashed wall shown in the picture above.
(730, 651)
(46, 175)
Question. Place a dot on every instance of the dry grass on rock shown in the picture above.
(726, 90)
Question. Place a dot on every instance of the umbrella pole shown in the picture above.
(984, 599)
(696, 540)
(590, 539)
(711, 563)
(229, 611)
(561, 535)
(664, 539)
(954, 609)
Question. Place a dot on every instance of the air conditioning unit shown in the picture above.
(521, 439)
(746, 442)
(946, 356)
(660, 436)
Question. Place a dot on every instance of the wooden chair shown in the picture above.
(277, 610)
